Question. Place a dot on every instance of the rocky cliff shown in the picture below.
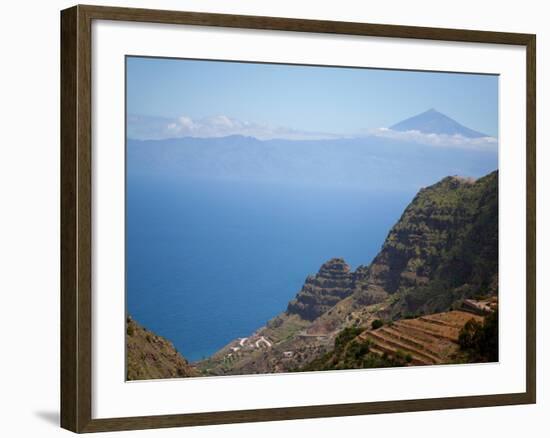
(322, 291)
(444, 248)
(438, 220)
(149, 356)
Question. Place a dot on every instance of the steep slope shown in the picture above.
(444, 248)
(149, 356)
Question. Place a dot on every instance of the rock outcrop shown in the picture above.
(444, 248)
(332, 283)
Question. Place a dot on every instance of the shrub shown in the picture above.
(480, 341)
(399, 354)
(130, 330)
(469, 335)
(346, 336)
(376, 324)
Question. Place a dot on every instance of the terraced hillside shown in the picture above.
(433, 339)
(429, 340)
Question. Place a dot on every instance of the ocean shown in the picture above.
(207, 262)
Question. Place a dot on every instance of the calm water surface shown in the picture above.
(207, 263)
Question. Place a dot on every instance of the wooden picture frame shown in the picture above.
(76, 217)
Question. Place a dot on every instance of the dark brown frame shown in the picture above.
(76, 236)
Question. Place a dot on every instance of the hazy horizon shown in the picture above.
(169, 98)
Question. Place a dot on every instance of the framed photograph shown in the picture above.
(270, 218)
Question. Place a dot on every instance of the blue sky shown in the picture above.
(340, 101)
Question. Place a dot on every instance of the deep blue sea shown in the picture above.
(209, 262)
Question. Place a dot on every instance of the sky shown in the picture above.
(177, 97)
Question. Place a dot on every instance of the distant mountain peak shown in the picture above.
(435, 122)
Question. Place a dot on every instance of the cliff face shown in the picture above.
(149, 356)
(435, 222)
(322, 291)
(444, 248)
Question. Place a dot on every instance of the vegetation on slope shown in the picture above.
(480, 340)
(149, 356)
(443, 249)
(351, 352)
(445, 246)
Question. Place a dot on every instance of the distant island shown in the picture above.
(409, 154)
(429, 297)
